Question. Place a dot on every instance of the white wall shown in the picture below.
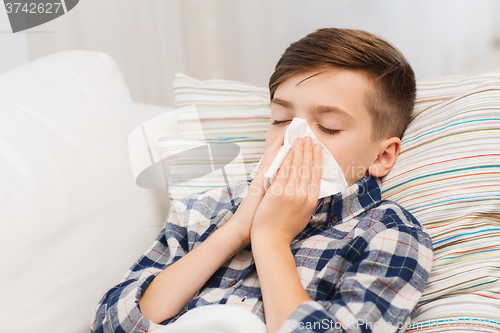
(437, 37)
(13, 47)
(243, 39)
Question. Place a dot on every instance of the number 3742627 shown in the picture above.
(33, 8)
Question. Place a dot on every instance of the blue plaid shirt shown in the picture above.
(363, 261)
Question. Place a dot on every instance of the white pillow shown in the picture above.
(72, 220)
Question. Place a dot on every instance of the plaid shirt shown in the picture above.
(363, 261)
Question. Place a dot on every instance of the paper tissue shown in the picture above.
(332, 179)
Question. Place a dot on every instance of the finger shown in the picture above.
(306, 169)
(298, 151)
(317, 170)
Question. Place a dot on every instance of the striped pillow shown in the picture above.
(193, 171)
(227, 111)
(224, 108)
(438, 90)
(447, 175)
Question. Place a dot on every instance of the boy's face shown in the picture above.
(333, 99)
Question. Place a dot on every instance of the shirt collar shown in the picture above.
(349, 203)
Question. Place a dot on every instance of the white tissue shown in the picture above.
(332, 178)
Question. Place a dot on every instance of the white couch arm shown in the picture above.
(72, 220)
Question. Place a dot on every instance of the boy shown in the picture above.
(349, 261)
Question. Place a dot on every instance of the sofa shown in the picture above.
(75, 213)
(72, 218)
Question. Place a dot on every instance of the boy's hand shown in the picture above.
(291, 199)
(245, 213)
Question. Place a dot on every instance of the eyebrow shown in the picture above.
(318, 108)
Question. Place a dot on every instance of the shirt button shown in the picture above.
(233, 283)
(334, 219)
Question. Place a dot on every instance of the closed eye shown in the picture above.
(278, 122)
(326, 130)
(329, 131)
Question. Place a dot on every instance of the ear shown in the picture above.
(387, 154)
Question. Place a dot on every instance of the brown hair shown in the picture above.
(390, 102)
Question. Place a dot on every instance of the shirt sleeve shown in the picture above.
(118, 310)
(380, 290)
